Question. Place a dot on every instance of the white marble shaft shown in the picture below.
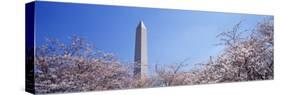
(140, 69)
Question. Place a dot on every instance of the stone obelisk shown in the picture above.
(140, 66)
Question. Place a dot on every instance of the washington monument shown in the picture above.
(140, 65)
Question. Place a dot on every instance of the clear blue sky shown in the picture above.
(173, 35)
